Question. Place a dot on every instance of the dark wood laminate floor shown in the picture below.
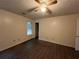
(37, 49)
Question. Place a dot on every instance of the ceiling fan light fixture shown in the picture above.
(43, 6)
(43, 9)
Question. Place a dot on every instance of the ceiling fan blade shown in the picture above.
(53, 2)
(31, 9)
(49, 11)
(38, 1)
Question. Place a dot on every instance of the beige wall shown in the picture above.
(12, 29)
(60, 30)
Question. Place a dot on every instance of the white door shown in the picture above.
(77, 36)
(77, 44)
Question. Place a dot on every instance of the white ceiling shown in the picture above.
(63, 7)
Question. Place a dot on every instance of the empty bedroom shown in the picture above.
(39, 29)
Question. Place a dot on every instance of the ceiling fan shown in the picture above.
(43, 6)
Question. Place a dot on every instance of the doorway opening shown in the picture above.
(36, 30)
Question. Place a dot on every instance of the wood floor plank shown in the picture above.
(37, 49)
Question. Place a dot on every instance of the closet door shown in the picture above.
(77, 36)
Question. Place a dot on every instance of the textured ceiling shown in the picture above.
(63, 7)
